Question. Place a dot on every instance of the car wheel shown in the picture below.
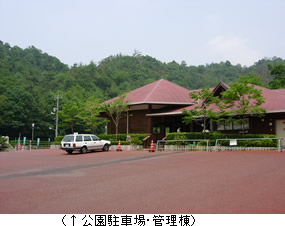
(83, 150)
(69, 152)
(106, 147)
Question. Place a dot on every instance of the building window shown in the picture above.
(220, 125)
(156, 130)
(234, 125)
(246, 123)
(228, 125)
(237, 125)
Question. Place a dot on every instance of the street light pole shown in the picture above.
(56, 116)
(33, 126)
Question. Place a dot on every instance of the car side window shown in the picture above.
(94, 138)
(87, 138)
(78, 138)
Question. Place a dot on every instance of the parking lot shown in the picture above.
(51, 181)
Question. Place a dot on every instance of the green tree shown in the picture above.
(69, 115)
(90, 114)
(240, 100)
(116, 110)
(4, 109)
(278, 72)
(204, 101)
(22, 111)
(252, 78)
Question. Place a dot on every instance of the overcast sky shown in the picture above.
(196, 31)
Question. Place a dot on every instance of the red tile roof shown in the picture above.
(274, 102)
(158, 92)
(274, 99)
(165, 92)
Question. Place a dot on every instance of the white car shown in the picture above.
(83, 143)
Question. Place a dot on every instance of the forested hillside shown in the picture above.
(30, 80)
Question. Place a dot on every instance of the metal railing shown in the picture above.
(183, 145)
(246, 144)
(30, 145)
(238, 144)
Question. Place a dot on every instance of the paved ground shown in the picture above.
(50, 181)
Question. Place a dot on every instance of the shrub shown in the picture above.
(3, 143)
(136, 141)
(115, 142)
(179, 136)
(121, 137)
(202, 143)
(57, 140)
(136, 138)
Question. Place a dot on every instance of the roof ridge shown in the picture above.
(153, 90)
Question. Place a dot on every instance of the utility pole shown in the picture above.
(55, 112)
(56, 115)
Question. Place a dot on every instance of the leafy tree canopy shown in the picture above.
(240, 100)
(116, 110)
(203, 102)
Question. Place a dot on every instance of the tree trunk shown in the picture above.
(204, 127)
(242, 125)
(116, 131)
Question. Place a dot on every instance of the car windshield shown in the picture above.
(68, 139)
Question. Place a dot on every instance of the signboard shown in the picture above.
(233, 142)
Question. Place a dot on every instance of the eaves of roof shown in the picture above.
(162, 103)
(180, 113)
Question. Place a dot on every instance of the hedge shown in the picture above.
(136, 138)
(215, 135)
(252, 143)
(57, 140)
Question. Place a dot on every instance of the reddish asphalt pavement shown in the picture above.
(51, 181)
